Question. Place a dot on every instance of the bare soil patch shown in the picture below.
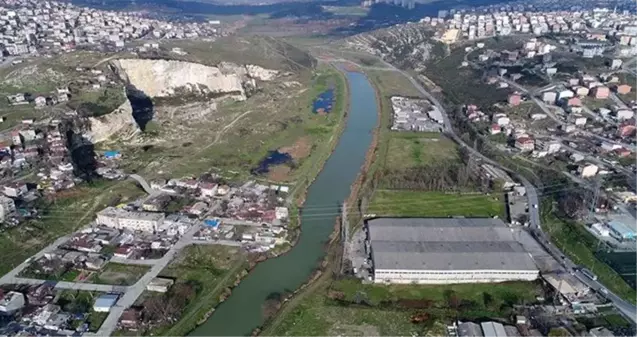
(279, 173)
(300, 149)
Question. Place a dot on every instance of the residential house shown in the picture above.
(12, 302)
(40, 101)
(574, 101)
(208, 190)
(495, 129)
(15, 189)
(524, 144)
(549, 97)
(515, 99)
(589, 170)
(601, 92)
(7, 206)
(623, 89)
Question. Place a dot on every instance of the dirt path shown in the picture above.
(225, 128)
(104, 60)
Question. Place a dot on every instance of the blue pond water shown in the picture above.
(272, 159)
(323, 103)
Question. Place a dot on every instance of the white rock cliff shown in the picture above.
(160, 78)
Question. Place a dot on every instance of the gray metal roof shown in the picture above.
(446, 244)
(469, 329)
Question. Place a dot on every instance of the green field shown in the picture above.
(402, 203)
(352, 308)
(392, 83)
(418, 149)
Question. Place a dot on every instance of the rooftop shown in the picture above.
(446, 244)
(120, 213)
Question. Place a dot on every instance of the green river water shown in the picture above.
(242, 311)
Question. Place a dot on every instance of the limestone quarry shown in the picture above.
(166, 78)
(161, 78)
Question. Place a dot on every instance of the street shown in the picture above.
(629, 310)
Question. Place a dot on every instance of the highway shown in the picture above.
(629, 310)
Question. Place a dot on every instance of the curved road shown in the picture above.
(629, 310)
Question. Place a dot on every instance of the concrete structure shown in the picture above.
(588, 170)
(549, 145)
(160, 284)
(105, 302)
(446, 251)
(12, 302)
(7, 206)
(122, 219)
(549, 97)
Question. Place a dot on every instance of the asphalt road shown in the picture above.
(629, 310)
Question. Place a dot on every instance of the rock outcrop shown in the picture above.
(105, 126)
(163, 78)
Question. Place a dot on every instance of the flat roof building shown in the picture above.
(447, 250)
(105, 302)
(122, 219)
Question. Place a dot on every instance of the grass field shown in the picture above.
(383, 310)
(120, 274)
(402, 203)
(242, 133)
(418, 149)
(393, 83)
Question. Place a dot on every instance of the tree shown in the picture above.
(487, 299)
(559, 332)
(573, 204)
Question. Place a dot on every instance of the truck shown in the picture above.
(589, 274)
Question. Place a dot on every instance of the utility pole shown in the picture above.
(595, 199)
(344, 234)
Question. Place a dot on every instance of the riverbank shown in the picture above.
(331, 262)
(273, 280)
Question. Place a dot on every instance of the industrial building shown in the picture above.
(493, 329)
(446, 251)
(122, 219)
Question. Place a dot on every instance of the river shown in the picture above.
(242, 311)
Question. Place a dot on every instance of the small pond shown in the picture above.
(272, 159)
(323, 103)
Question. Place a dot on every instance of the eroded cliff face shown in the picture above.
(105, 126)
(164, 78)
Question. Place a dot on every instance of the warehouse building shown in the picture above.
(446, 250)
